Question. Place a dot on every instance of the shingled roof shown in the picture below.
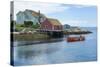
(54, 21)
(34, 13)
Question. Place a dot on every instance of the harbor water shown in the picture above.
(57, 52)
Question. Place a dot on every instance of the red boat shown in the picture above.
(75, 39)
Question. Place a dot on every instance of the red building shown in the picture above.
(51, 25)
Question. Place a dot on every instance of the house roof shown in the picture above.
(34, 13)
(54, 21)
(19, 12)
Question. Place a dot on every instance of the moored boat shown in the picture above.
(75, 39)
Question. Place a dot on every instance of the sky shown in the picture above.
(74, 15)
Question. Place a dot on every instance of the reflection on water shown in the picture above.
(56, 52)
(26, 43)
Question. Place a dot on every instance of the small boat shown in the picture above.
(75, 39)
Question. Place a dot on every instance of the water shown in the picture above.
(57, 52)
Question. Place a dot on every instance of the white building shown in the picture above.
(29, 15)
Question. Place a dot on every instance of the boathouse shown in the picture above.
(53, 27)
(51, 24)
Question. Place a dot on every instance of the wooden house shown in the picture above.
(51, 25)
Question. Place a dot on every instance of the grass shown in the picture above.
(19, 27)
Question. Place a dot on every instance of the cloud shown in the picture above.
(45, 8)
(82, 6)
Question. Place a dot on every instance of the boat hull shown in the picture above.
(75, 39)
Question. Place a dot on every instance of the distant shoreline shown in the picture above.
(77, 33)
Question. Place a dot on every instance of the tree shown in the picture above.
(28, 23)
(36, 25)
